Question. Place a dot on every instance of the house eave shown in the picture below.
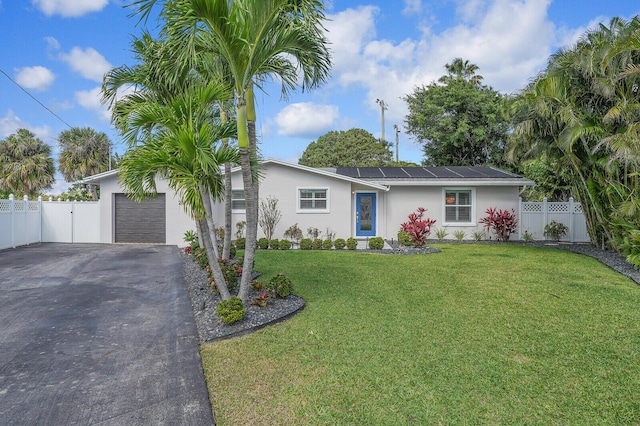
(457, 182)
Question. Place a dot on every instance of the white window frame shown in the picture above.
(235, 210)
(473, 207)
(312, 210)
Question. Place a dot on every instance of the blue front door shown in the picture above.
(365, 214)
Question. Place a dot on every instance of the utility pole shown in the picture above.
(397, 129)
(383, 106)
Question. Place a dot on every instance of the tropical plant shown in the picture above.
(503, 223)
(459, 234)
(269, 216)
(441, 233)
(83, 152)
(171, 124)
(527, 236)
(581, 113)
(26, 166)
(255, 40)
(231, 310)
(417, 227)
(478, 235)
(279, 286)
(555, 230)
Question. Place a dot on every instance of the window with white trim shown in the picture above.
(313, 200)
(458, 206)
(237, 199)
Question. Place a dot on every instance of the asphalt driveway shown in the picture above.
(98, 334)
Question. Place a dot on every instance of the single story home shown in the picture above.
(355, 202)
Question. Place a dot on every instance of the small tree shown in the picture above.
(502, 222)
(294, 233)
(269, 216)
(417, 227)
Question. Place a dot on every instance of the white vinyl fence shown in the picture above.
(25, 222)
(534, 216)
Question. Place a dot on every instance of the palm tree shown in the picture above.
(172, 125)
(84, 152)
(257, 40)
(26, 165)
(462, 70)
(583, 110)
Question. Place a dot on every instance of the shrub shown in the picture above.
(261, 300)
(339, 243)
(240, 243)
(459, 234)
(285, 244)
(269, 215)
(232, 251)
(263, 243)
(352, 243)
(441, 234)
(240, 228)
(376, 243)
(327, 244)
(502, 222)
(305, 244)
(478, 235)
(417, 227)
(279, 285)
(293, 233)
(257, 285)
(274, 244)
(404, 239)
(317, 244)
(190, 236)
(231, 310)
(200, 256)
(555, 230)
(527, 237)
(313, 233)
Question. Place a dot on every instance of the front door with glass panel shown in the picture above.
(365, 214)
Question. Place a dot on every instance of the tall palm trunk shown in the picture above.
(226, 246)
(209, 243)
(251, 204)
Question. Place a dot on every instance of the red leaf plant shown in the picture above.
(417, 227)
(502, 222)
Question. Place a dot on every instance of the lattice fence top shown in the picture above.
(532, 207)
(34, 206)
(5, 206)
(558, 207)
(577, 208)
(18, 206)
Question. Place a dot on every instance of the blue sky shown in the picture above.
(58, 51)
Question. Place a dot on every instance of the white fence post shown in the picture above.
(571, 227)
(13, 224)
(520, 218)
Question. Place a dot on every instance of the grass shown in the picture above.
(477, 334)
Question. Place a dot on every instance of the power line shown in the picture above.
(34, 98)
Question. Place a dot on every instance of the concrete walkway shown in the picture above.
(96, 334)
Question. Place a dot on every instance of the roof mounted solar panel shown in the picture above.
(394, 172)
(370, 173)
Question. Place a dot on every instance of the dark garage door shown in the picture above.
(140, 222)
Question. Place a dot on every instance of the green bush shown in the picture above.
(339, 243)
(317, 244)
(231, 310)
(240, 243)
(263, 243)
(274, 244)
(459, 234)
(376, 243)
(285, 244)
(305, 244)
(441, 234)
(327, 244)
(555, 230)
(280, 286)
(200, 256)
(352, 243)
(232, 251)
(404, 239)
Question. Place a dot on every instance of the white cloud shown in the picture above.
(69, 8)
(52, 43)
(412, 7)
(88, 62)
(306, 119)
(10, 123)
(91, 100)
(37, 78)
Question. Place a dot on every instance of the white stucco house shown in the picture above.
(355, 202)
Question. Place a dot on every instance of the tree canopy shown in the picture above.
(26, 166)
(351, 148)
(582, 114)
(458, 120)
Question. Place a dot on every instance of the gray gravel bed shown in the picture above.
(204, 301)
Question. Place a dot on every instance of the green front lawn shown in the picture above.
(477, 334)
